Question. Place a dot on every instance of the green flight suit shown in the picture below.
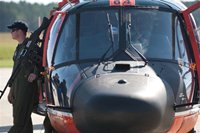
(25, 94)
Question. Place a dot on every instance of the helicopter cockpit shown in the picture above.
(93, 33)
(100, 34)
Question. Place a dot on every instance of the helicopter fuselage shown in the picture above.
(126, 68)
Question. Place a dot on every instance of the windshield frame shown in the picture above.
(121, 31)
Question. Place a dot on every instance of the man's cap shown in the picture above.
(18, 25)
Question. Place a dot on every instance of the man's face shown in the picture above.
(15, 33)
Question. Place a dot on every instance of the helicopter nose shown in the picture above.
(123, 104)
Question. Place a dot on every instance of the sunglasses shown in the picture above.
(13, 30)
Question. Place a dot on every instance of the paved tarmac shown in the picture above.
(6, 109)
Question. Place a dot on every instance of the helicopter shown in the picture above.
(122, 66)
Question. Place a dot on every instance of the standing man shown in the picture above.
(23, 92)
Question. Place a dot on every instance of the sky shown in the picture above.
(46, 1)
(35, 1)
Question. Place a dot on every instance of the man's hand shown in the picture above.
(32, 77)
(10, 97)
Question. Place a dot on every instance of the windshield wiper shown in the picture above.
(111, 31)
(111, 39)
(129, 40)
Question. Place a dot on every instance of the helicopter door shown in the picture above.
(192, 20)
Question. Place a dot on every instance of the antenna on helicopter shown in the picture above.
(61, 4)
(70, 3)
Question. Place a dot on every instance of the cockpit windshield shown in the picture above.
(150, 31)
(92, 34)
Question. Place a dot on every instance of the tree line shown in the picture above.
(10, 12)
(30, 13)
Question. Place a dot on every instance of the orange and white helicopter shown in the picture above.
(123, 66)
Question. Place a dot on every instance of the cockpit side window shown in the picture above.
(180, 49)
(53, 37)
(196, 25)
(66, 47)
(182, 57)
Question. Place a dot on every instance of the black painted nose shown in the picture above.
(123, 104)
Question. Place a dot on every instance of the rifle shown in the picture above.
(31, 46)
